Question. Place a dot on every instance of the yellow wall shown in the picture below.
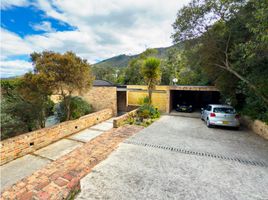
(160, 97)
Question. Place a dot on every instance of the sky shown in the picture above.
(93, 29)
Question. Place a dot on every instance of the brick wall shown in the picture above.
(21, 145)
(119, 121)
(101, 98)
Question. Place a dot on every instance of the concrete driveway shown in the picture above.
(180, 158)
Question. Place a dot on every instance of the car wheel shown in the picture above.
(208, 124)
(237, 128)
(202, 118)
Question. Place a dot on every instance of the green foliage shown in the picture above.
(151, 70)
(146, 114)
(148, 111)
(144, 100)
(26, 101)
(179, 65)
(112, 74)
(24, 107)
(64, 73)
(255, 108)
(10, 125)
(78, 108)
(133, 73)
(152, 74)
(231, 48)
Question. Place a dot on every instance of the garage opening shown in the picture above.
(198, 99)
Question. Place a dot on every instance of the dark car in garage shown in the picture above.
(184, 107)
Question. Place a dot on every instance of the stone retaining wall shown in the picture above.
(102, 98)
(21, 145)
(120, 120)
(256, 126)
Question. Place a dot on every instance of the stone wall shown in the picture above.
(102, 98)
(21, 145)
(119, 121)
(256, 126)
(99, 97)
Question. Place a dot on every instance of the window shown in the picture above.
(224, 110)
(209, 108)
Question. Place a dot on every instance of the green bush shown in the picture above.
(255, 109)
(148, 111)
(143, 101)
(78, 108)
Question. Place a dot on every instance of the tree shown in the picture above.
(231, 49)
(224, 30)
(65, 73)
(152, 74)
(35, 90)
(133, 72)
(78, 106)
(24, 107)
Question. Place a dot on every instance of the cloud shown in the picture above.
(43, 26)
(103, 28)
(12, 44)
(14, 67)
(7, 4)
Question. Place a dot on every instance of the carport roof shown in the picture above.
(193, 88)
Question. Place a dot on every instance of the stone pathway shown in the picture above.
(61, 179)
(26, 165)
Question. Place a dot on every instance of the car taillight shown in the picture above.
(237, 116)
(212, 115)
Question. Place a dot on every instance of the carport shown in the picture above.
(197, 96)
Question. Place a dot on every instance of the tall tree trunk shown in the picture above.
(68, 110)
(150, 95)
(150, 91)
(42, 121)
(67, 107)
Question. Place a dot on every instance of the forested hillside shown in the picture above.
(123, 60)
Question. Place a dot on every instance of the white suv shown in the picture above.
(220, 115)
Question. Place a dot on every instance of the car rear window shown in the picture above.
(224, 110)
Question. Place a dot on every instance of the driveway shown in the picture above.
(180, 158)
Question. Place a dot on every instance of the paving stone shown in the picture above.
(58, 149)
(86, 135)
(104, 126)
(65, 173)
(20, 168)
(111, 120)
(43, 196)
(60, 182)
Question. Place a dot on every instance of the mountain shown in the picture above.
(117, 61)
(123, 60)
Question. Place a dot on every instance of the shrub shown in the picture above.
(143, 101)
(148, 111)
(78, 108)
